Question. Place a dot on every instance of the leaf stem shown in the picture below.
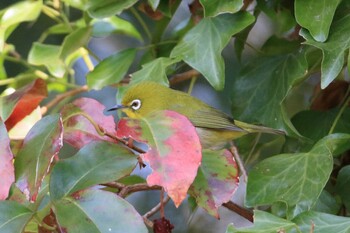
(342, 109)
(193, 81)
(140, 20)
(86, 58)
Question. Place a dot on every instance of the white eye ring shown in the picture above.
(136, 104)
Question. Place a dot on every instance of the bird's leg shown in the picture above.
(234, 152)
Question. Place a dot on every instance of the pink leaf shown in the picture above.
(7, 173)
(78, 130)
(175, 150)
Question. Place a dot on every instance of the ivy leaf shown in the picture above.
(308, 122)
(216, 7)
(295, 179)
(216, 180)
(111, 70)
(333, 49)
(13, 216)
(74, 41)
(267, 89)
(175, 150)
(7, 172)
(79, 131)
(47, 55)
(97, 211)
(203, 53)
(154, 71)
(264, 222)
(35, 156)
(316, 16)
(322, 223)
(106, 26)
(14, 107)
(103, 9)
(96, 163)
(343, 185)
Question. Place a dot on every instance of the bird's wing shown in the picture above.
(213, 119)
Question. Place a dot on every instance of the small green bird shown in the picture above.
(214, 128)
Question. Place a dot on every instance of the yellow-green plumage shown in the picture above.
(214, 127)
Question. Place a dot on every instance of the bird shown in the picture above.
(214, 127)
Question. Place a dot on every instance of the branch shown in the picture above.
(245, 213)
(136, 188)
(154, 210)
(62, 96)
(178, 78)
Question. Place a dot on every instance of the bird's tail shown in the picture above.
(257, 129)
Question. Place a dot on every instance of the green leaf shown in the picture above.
(327, 203)
(174, 150)
(217, 7)
(154, 71)
(17, 13)
(295, 179)
(96, 163)
(343, 185)
(97, 211)
(74, 41)
(106, 26)
(35, 156)
(322, 223)
(111, 70)
(316, 16)
(308, 122)
(103, 9)
(7, 172)
(13, 216)
(264, 222)
(333, 49)
(216, 180)
(47, 55)
(202, 46)
(267, 81)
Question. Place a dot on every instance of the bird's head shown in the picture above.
(142, 99)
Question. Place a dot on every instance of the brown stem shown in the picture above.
(136, 188)
(178, 78)
(159, 206)
(62, 96)
(239, 161)
(245, 213)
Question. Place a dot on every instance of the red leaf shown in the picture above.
(34, 158)
(78, 130)
(23, 101)
(7, 173)
(175, 150)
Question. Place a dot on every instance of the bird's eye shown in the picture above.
(136, 104)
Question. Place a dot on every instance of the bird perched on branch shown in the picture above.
(214, 128)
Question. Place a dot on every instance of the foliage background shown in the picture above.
(279, 63)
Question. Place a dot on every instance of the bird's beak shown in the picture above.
(116, 107)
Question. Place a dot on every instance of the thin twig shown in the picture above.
(136, 188)
(178, 78)
(62, 96)
(245, 213)
(162, 215)
(154, 210)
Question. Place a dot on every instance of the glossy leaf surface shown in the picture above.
(35, 156)
(97, 211)
(175, 151)
(13, 216)
(216, 7)
(96, 163)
